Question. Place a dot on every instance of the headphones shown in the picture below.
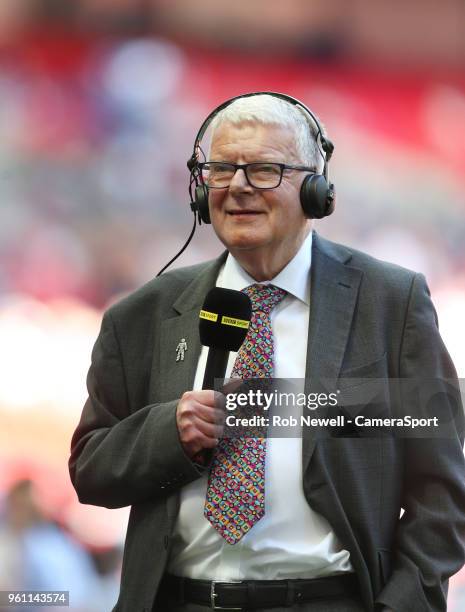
(317, 195)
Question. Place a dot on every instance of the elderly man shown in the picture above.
(325, 533)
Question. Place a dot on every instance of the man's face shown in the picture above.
(253, 222)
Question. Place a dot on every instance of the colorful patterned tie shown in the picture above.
(235, 498)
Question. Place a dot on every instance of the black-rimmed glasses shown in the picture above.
(259, 175)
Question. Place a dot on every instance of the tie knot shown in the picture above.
(264, 297)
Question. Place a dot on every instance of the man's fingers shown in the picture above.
(209, 429)
(210, 442)
(209, 414)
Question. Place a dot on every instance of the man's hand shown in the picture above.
(199, 421)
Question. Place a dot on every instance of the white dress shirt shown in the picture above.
(291, 540)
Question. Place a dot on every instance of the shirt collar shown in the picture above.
(294, 278)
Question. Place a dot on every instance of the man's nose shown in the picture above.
(239, 182)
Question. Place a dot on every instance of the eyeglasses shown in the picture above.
(259, 175)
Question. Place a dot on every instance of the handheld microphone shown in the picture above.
(223, 325)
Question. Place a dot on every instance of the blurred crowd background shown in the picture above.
(100, 101)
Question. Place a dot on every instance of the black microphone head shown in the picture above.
(328, 147)
(191, 163)
(224, 319)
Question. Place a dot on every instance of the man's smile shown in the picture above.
(239, 213)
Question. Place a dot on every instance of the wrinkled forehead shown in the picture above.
(249, 138)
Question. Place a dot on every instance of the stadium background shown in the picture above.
(99, 103)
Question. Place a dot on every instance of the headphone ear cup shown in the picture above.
(316, 196)
(201, 203)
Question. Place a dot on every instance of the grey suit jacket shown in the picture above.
(368, 319)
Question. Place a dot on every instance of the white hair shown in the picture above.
(270, 110)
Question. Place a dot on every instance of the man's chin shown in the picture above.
(242, 242)
(244, 237)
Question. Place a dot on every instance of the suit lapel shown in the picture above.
(171, 378)
(333, 295)
(178, 376)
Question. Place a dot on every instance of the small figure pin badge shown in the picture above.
(181, 349)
